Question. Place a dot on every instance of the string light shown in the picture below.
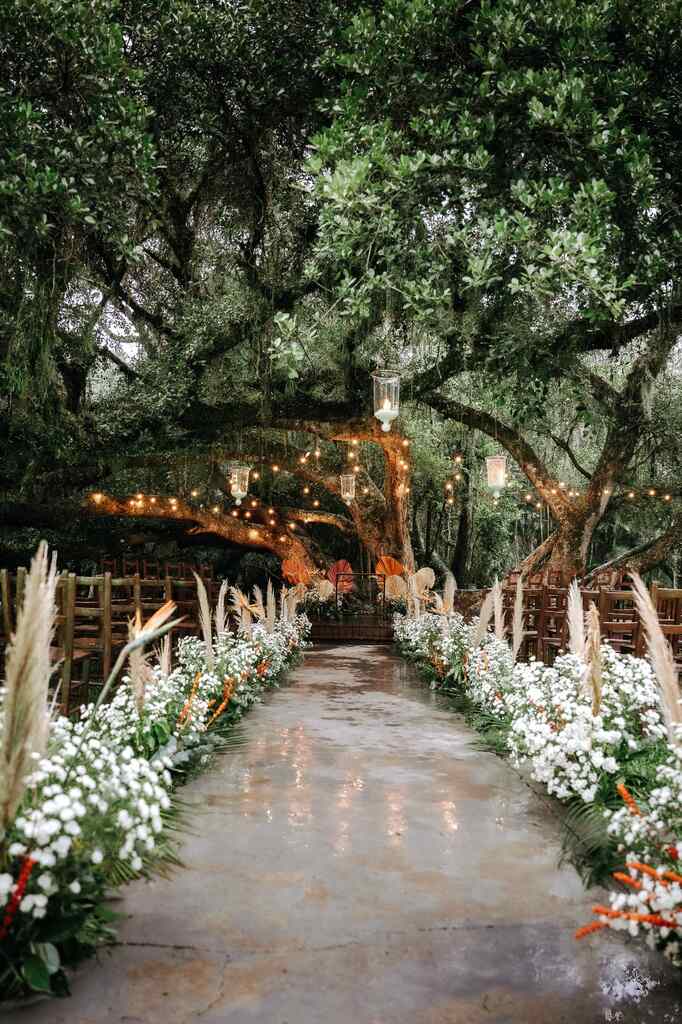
(667, 497)
(253, 534)
(256, 475)
(195, 493)
(365, 490)
(354, 442)
(448, 487)
(139, 496)
(652, 492)
(317, 453)
(97, 497)
(631, 494)
(234, 513)
(271, 511)
(275, 468)
(215, 509)
(306, 490)
(283, 537)
(152, 501)
(406, 443)
(272, 522)
(292, 526)
(458, 476)
(247, 515)
(316, 503)
(451, 501)
(254, 504)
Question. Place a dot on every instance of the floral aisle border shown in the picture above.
(597, 732)
(89, 804)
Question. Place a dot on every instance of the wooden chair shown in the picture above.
(623, 636)
(150, 570)
(174, 570)
(552, 623)
(668, 604)
(110, 565)
(616, 606)
(131, 567)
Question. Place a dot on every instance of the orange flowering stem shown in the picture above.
(645, 869)
(588, 929)
(628, 799)
(620, 876)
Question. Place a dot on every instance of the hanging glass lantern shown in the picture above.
(386, 397)
(239, 481)
(348, 487)
(496, 468)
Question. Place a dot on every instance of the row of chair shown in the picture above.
(93, 613)
(546, 622)
(150, 569)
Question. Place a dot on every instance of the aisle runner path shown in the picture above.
(357, 861)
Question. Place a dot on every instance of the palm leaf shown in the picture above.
(661, 658)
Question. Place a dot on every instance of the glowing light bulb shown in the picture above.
(652, 492)
(195, 493)
(306, 490)
(97, 497)
(152, 501)
(631, 494)
(253, 534)
(256, 475)
(275, 468)
(272, 522)
(215, 509)
(316, 503)
(271, 511)
(254, 504)
(234, 513)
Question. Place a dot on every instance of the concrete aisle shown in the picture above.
(357, 861)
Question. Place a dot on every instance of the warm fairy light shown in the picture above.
(351, 455)
(234, 513)
(561, 483)
(631, 494)
(356, 469)
(458, 476)
(451, 501)
(554, 490)
(406, 443)
(254, 504)
(195, 493)
(539, 505)
(448, 487)
(306, 490)
(256, 475)
(667, 497)
(317, 453)
(253, 534)
(292, 526)
(271, 511)
(152, 501)
(283, 537)
(316, 503)
(215, 509)
(606, 491)
(139, 496)
(407, 490)
(652, 492)
(459, 459)
(529, 497)
(275, 468)
(97, 497)
(132, 503)
(272, 522)
(247, 515)
(354, 442)
(365, 490)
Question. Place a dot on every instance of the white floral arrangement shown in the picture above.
(568, 742)
(85, 803)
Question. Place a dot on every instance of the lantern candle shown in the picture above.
(239, 481)
(347, 487)
(386, 397)
(496, 468)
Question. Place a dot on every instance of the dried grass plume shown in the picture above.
(27, 676)
(661, 658)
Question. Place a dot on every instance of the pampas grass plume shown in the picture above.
(27, 676)
(661, 658)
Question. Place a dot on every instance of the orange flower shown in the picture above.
(620, 876)
(587, 929)
(628, 799)
(228, 689)
(190, 700)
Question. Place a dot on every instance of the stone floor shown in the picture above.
(355, 860)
